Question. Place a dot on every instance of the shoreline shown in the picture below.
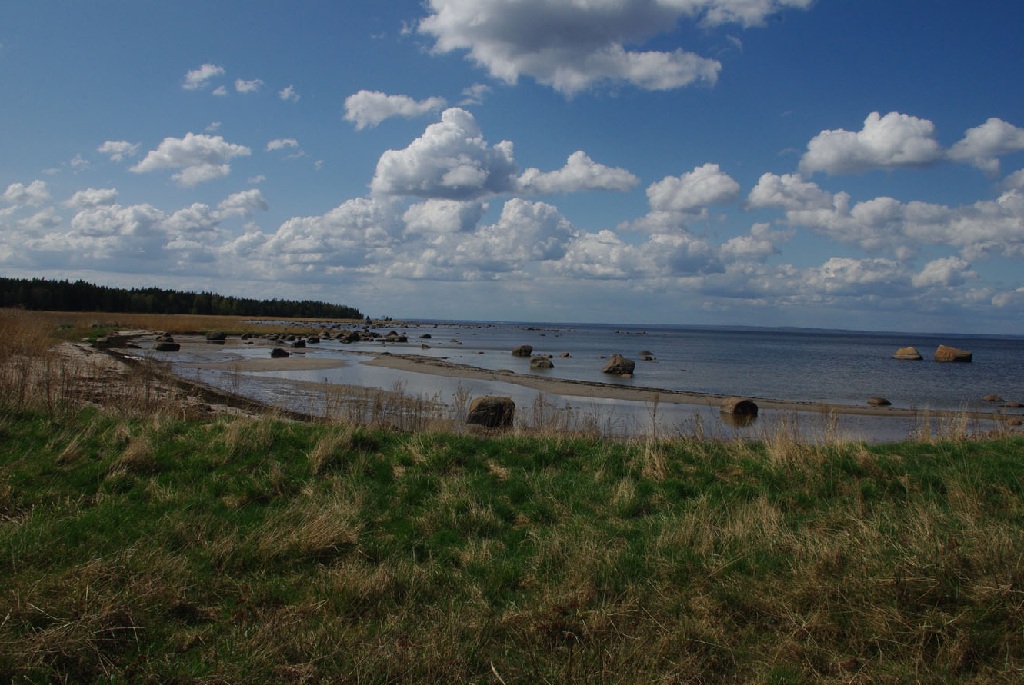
(309, 360)
(609, 391)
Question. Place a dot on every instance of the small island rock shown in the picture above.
(619, 365)
(522, 351)
(908, 354)
(878, 402)
(944, 353)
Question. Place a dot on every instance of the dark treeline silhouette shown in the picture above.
(80, 296)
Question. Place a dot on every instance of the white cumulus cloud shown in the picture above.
(201, 77)
(451, 160)
(572, 45)
(93, 197)
(983, 145)
(118, 150)
(579, 173)
(199, 157)
(32, 195)
(893, 140)
(443, 216)
(243, 86)
(244, 203)
(367, 109)
(946, 272)
(705, 185)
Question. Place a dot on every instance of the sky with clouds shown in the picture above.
(849, 164)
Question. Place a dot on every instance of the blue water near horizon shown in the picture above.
(799, 365)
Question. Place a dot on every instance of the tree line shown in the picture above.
(81, 296)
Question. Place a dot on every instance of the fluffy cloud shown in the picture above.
(244, 203)
(789, 192)
(243, 86)
(118, 150)
(571, 45)
(705, 185)
(353, 236)
(757, 246)
(894, 140)
(848, 276)
(451, 160)
(946, 272)
(367, 109)
(579, 173)
(443, 216)
(201, 77)
(200, 158)
(34, 194)
(983, 145)
(93, 197)
(526, 233)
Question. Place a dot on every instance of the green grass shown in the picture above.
(260, 550)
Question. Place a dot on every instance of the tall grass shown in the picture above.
(264, 550)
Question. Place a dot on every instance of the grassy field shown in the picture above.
(143, 547)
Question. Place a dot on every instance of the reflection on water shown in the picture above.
(311, 392)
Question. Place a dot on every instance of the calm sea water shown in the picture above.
(801, 365)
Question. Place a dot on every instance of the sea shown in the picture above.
(798, 365)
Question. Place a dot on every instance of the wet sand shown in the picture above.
(308, 359)
(572, 388)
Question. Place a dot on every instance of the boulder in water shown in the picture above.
(944, 353)
(908, 354)
(619, 366)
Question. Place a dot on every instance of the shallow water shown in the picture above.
(804, 366)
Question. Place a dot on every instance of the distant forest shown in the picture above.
(80, 296)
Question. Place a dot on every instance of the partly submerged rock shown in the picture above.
(908, 354)
(278, 352)
(738, 406)
(619, 366)
(164, 346)
(522, 351)
(878, 402)
(541, 363)
(944, 353)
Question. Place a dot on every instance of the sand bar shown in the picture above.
(573, 388)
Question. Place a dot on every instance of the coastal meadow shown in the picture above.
(155, 545)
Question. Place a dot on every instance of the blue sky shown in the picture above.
(822, 163)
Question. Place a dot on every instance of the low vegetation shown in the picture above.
(147, 547)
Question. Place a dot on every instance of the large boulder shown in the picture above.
(216, 337)
(492, 412)
(541, 363)
(944, 353)
(878, 402)
(738, 406)
(619, 366)
(522, 351)
(278, 353)
(909, 354)
(164, 346)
